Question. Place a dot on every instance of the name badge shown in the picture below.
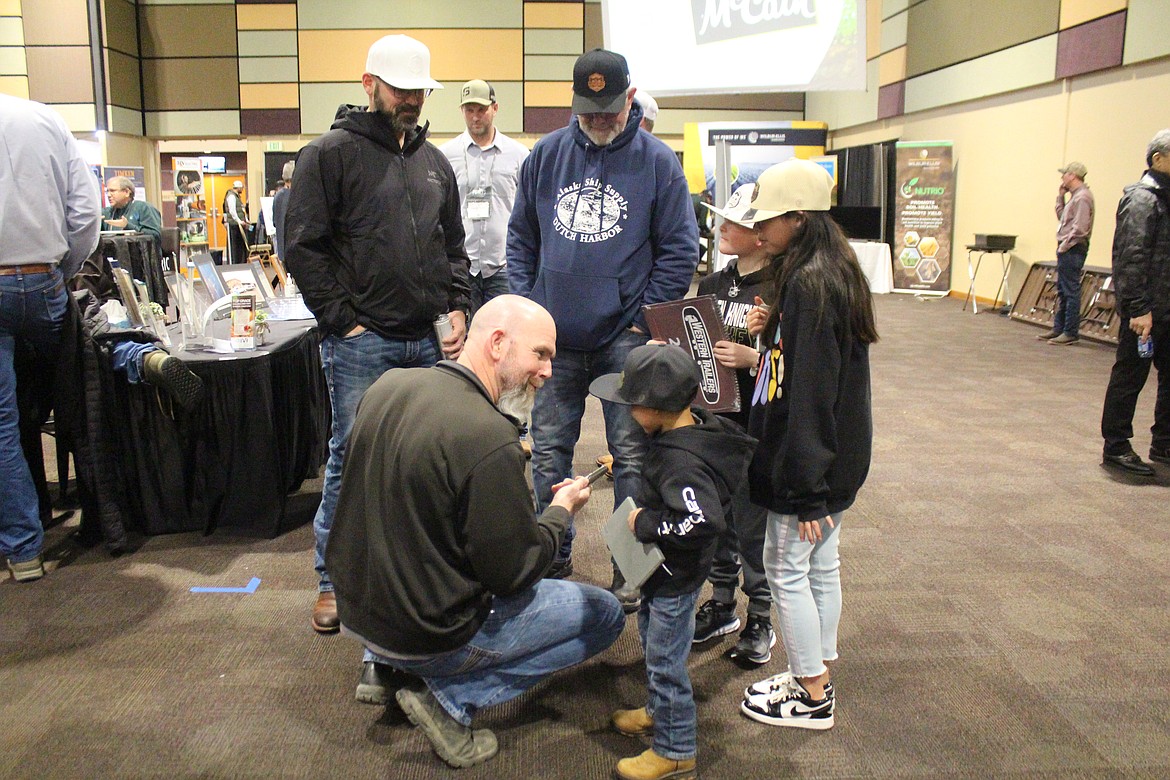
(479, 203)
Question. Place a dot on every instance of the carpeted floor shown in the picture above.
(1005, 615)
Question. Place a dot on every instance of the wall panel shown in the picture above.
(940, 33)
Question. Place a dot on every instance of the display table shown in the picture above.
(139, 255)
(877, 264)
(260, 430)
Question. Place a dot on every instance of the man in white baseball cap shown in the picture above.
(375, 241)
(235, 221)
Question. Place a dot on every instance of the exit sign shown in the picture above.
(274, 146)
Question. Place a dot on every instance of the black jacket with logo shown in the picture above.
(688, 477)
(1141, 248)
(735, 296)
(374, 232)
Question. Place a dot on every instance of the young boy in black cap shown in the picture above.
(693, 464)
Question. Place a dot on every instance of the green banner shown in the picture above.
(924, 217)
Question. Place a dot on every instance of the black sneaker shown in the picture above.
(790, 705)
(754, 647)
(559, 569)
(714, 619)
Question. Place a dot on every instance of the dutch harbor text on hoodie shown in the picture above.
(599, 231)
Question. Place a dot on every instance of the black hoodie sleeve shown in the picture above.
(308, 229)
(691, 513)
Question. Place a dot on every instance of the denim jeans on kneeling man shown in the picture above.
(351, 365)
(551, 626)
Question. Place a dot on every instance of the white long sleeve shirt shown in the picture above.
(50, 211)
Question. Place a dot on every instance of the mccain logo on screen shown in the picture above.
(719, 20)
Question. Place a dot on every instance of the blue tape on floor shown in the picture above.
(249, 588)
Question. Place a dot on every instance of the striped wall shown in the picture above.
(927, 54)
(213, 68)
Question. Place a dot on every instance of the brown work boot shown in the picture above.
(607, 461)
(633, 723)
(651, 766)
(325, 620)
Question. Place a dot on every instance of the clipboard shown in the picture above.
(636, 560)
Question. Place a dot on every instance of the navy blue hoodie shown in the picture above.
(598, 231)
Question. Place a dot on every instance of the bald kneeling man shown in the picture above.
(436, 554)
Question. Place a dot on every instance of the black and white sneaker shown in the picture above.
(755, 644)
(790, 705)
(773, 683)
(714, 619)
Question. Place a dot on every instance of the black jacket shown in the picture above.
(374, 232)
(1141, 248)
(735, 296)
(811, 411)
(688, 477)
(434, 517)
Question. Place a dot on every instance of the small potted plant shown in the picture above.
(260, 328)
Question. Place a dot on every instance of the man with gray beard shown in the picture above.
(375, 241)
(436, 553)
(603, 224)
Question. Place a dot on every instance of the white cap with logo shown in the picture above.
(401, 62)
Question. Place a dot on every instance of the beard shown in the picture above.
(517, 401)
(517, 393)
(403, 117)
(601, 136)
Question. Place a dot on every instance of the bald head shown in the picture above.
(510, 345)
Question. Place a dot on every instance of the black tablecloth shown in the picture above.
(260, 430)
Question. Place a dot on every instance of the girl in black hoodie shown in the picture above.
(811, 413)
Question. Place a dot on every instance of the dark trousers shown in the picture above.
(1125, 384)
(741, 550)
(237, 245)
(1069, 266)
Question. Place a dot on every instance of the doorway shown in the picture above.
(215, 187)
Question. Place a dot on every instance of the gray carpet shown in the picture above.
(1005, 615)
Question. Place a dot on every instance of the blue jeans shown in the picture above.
(1069, 265)
(351, 365)
(806, 588)
(483, 290)
(129, 356)
(551, 626)
(556, 424)
(32, 308)
(667, 626)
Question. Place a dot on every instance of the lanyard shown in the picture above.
(479, 165)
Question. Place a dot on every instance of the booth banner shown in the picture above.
(924, 217)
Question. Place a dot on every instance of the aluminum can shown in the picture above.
(443, 327)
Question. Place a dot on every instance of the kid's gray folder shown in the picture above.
(637, 560)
